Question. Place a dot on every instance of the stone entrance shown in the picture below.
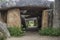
(12, 17)
(33, 19)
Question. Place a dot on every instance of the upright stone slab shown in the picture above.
(56, 13)
(4, 30)
(44, 19)
(50, 17)
(13, 18)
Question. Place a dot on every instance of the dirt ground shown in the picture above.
(34, 36)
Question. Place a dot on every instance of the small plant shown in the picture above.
(50, 32)
(15, 31)
(2, 37)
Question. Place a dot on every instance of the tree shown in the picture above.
(56, 18)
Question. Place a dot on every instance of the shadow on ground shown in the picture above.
(33, 36)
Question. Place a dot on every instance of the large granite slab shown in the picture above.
(22, 3)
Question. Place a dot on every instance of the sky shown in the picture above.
(50, 0)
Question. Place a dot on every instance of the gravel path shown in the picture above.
(33, 36)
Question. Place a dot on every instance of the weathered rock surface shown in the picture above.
(4, 30)
(21, 3)
(13, 18)
(45, 19)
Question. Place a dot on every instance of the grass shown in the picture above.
(15, 31)
(2, 37)
(50, 32)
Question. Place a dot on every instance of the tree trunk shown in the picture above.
(56, 13)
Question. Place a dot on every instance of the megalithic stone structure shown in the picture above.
(56, 14)
(13, 18)
(4, 30)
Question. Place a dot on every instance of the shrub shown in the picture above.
(15, 31)
(50, 32)
(2, 37)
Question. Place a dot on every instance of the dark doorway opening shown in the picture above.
(34, 16)
(4, 16)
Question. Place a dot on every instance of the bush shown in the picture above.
(50, 32)
(2, 37)
(15, 31)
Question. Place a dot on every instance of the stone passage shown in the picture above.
(13, 18)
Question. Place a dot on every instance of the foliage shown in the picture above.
(15, 31)
(2, 37)
(50, 32)
(2, 0)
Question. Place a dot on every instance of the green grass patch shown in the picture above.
(2, 37)
(15, 31)
(50, 32)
